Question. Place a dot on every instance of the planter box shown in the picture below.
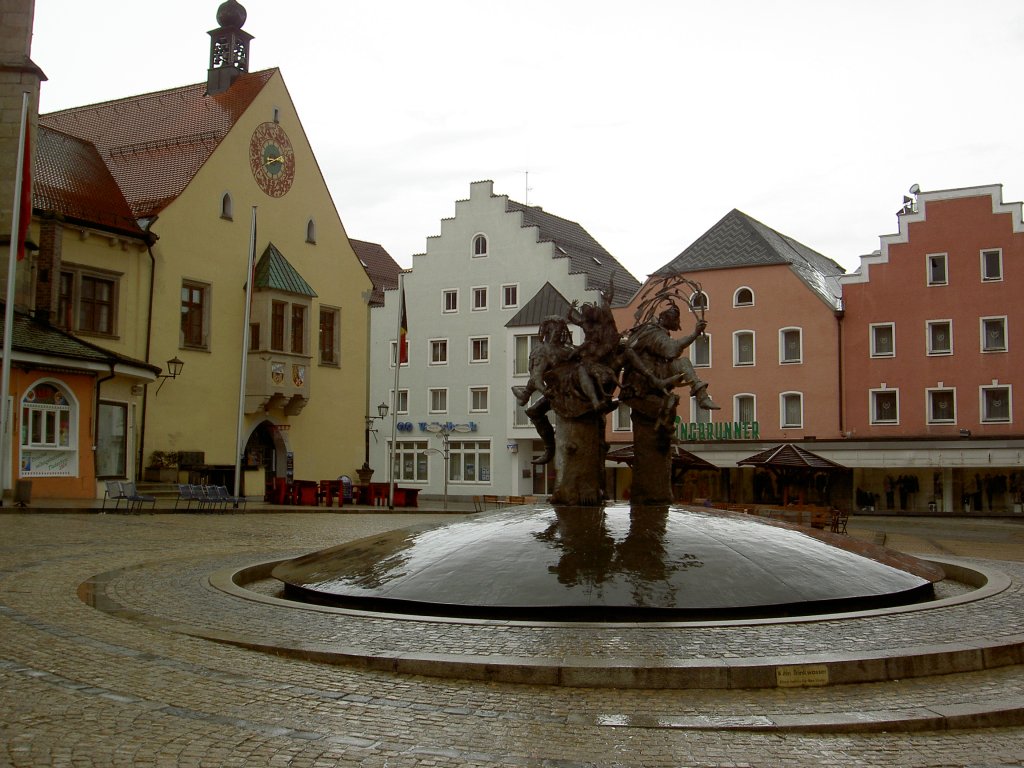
(160, 474)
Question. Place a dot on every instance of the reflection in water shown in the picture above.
(591, 555)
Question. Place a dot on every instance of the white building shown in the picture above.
(474, 300)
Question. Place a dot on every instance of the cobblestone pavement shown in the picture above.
(82, 687)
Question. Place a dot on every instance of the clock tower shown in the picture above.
(229, 48)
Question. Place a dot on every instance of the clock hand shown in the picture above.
(272, 160)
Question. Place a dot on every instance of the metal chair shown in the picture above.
(113, 491)
(135, 499)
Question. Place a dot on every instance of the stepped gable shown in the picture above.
(739, 240)
(155, 143)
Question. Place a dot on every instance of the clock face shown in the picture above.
(272, 159)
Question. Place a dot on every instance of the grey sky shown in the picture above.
(644, 122)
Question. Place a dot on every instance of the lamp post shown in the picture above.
(365, 472)
(174, 366)
(444, 431)
(446, 455)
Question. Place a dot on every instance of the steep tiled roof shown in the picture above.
(31, 336)
(380, 268)
(738, 240)
(545, 303)
(70, 178)
(586, 255)
(274, 271)
(154, 144)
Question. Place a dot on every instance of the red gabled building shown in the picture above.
(929, 365)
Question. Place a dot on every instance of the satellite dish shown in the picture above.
(915, 189)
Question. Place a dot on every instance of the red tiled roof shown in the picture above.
(380, 267)
(155, 143)
(70, 178)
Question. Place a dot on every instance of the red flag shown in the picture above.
(25, 212)
(403, 340)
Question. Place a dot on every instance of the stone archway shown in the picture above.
(268, 448)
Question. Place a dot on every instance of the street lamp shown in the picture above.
(443, 431)
(174, 366)
(364, 472)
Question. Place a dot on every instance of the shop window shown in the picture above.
(885, 406)
(940, 337)
(411, 465)
(469, 461)
(49, 432)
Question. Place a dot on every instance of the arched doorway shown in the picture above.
(267, 449)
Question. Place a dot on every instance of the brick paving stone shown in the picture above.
(84, 687)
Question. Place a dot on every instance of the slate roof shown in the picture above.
(273, 271)
(739, 240)
(70, 178)
(155, 143)
(380, 268)
(545, 303)
(586, 255)
(33, 337)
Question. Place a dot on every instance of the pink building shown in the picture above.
(928, 363)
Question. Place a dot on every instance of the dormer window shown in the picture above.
(479, 246)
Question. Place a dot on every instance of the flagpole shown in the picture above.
(249, 280)
(17, 238)
(394, 402)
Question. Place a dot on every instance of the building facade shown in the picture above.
(474, 302)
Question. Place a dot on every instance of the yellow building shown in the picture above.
(210, 173)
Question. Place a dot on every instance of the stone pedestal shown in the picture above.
(580, 454)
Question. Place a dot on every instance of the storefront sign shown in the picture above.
(436, 426)
(728, 430)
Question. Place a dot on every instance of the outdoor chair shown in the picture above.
(188, 494)
(135, 499)
(839, 521)
(224, 498)
(113, 491)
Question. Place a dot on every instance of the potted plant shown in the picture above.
(163, 467)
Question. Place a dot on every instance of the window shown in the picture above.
(111, 440)
(991, 265)
(883, 340)
(995, 404)
(790, 346)
(941, 406)
(622, 421)
(519, 417)
(993, 334)
(885, 406)
(700, 351)
(329, 322)
(298, 329)
(699, 415)
(469, 461)
(744, 297)
(311, 232)
(87, 302)
(791, 406)
(479, 246)
(743, 409)
(479, 349)
(254, 337)
(451, 300)
(402, 406)
(937, 269)
(478, 399)
(277, 310)
(699, 301)
(439, 400)
(439, 351)
(743, 348)
(940, 337)
(411, 461)
(509, 296)
(195, 313)
(49, 426)
(523, 346)
(226, 207)
(479, 298)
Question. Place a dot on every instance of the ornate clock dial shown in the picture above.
(272, 159)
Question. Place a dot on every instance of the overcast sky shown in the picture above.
(646, 121)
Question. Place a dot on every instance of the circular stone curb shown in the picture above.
(810, 669)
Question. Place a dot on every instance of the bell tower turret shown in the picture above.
(229, 48)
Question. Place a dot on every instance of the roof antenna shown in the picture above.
(528, 188)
